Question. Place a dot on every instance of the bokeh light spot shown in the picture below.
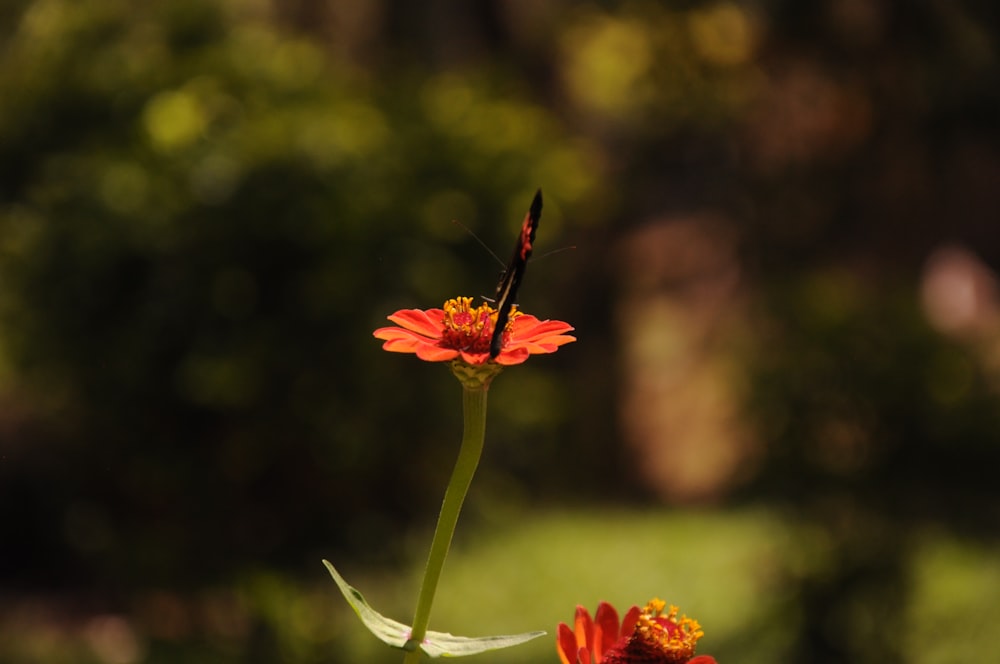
(607, 60)
(173, 120)
(723, 34)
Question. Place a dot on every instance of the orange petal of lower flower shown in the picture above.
(605, 628)
(566, 644)
(702, 659)
(630, 619)
(583, 627)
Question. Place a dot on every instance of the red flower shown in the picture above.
(461, 331)
(594, 638)
(645, 636)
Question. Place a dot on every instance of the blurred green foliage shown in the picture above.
(206, 206)
(204, 218)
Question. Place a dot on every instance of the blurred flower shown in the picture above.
(594, 637)
(462, 332)
(644, 636)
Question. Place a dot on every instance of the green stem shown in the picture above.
(474, 409)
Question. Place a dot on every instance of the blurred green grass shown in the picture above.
(532, 575)
(731, 570)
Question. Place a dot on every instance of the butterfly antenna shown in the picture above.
(571, 247)
(477, 239)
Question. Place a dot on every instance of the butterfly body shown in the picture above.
(506, 295)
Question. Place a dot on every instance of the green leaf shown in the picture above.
(435, 644)
(442, 644)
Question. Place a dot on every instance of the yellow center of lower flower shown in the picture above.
(673, 637)
(470, 328)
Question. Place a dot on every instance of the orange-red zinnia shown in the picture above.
(644, 636)
(461, 331)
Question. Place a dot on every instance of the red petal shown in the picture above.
(544, 345)
(398, 340)
(434, 353)
(584, 628)
(419, 332)
(393, 333)
(430, 323)
(539, 336)
(605, 630)
(565, 644)
(529, 327)
(401, 346)
(702, 659)
(629, 621)
(474, 358)
(512, 355)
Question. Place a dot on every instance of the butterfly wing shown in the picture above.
(506, 295)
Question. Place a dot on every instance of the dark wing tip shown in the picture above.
(536, 204)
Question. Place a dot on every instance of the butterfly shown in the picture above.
(514, 273)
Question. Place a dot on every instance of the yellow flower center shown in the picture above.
(672, 637)
(470, 328)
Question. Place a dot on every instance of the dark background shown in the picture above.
(784, 221)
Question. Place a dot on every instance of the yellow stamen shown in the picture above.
(668, 633)
(470, 328)
(467, 327)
